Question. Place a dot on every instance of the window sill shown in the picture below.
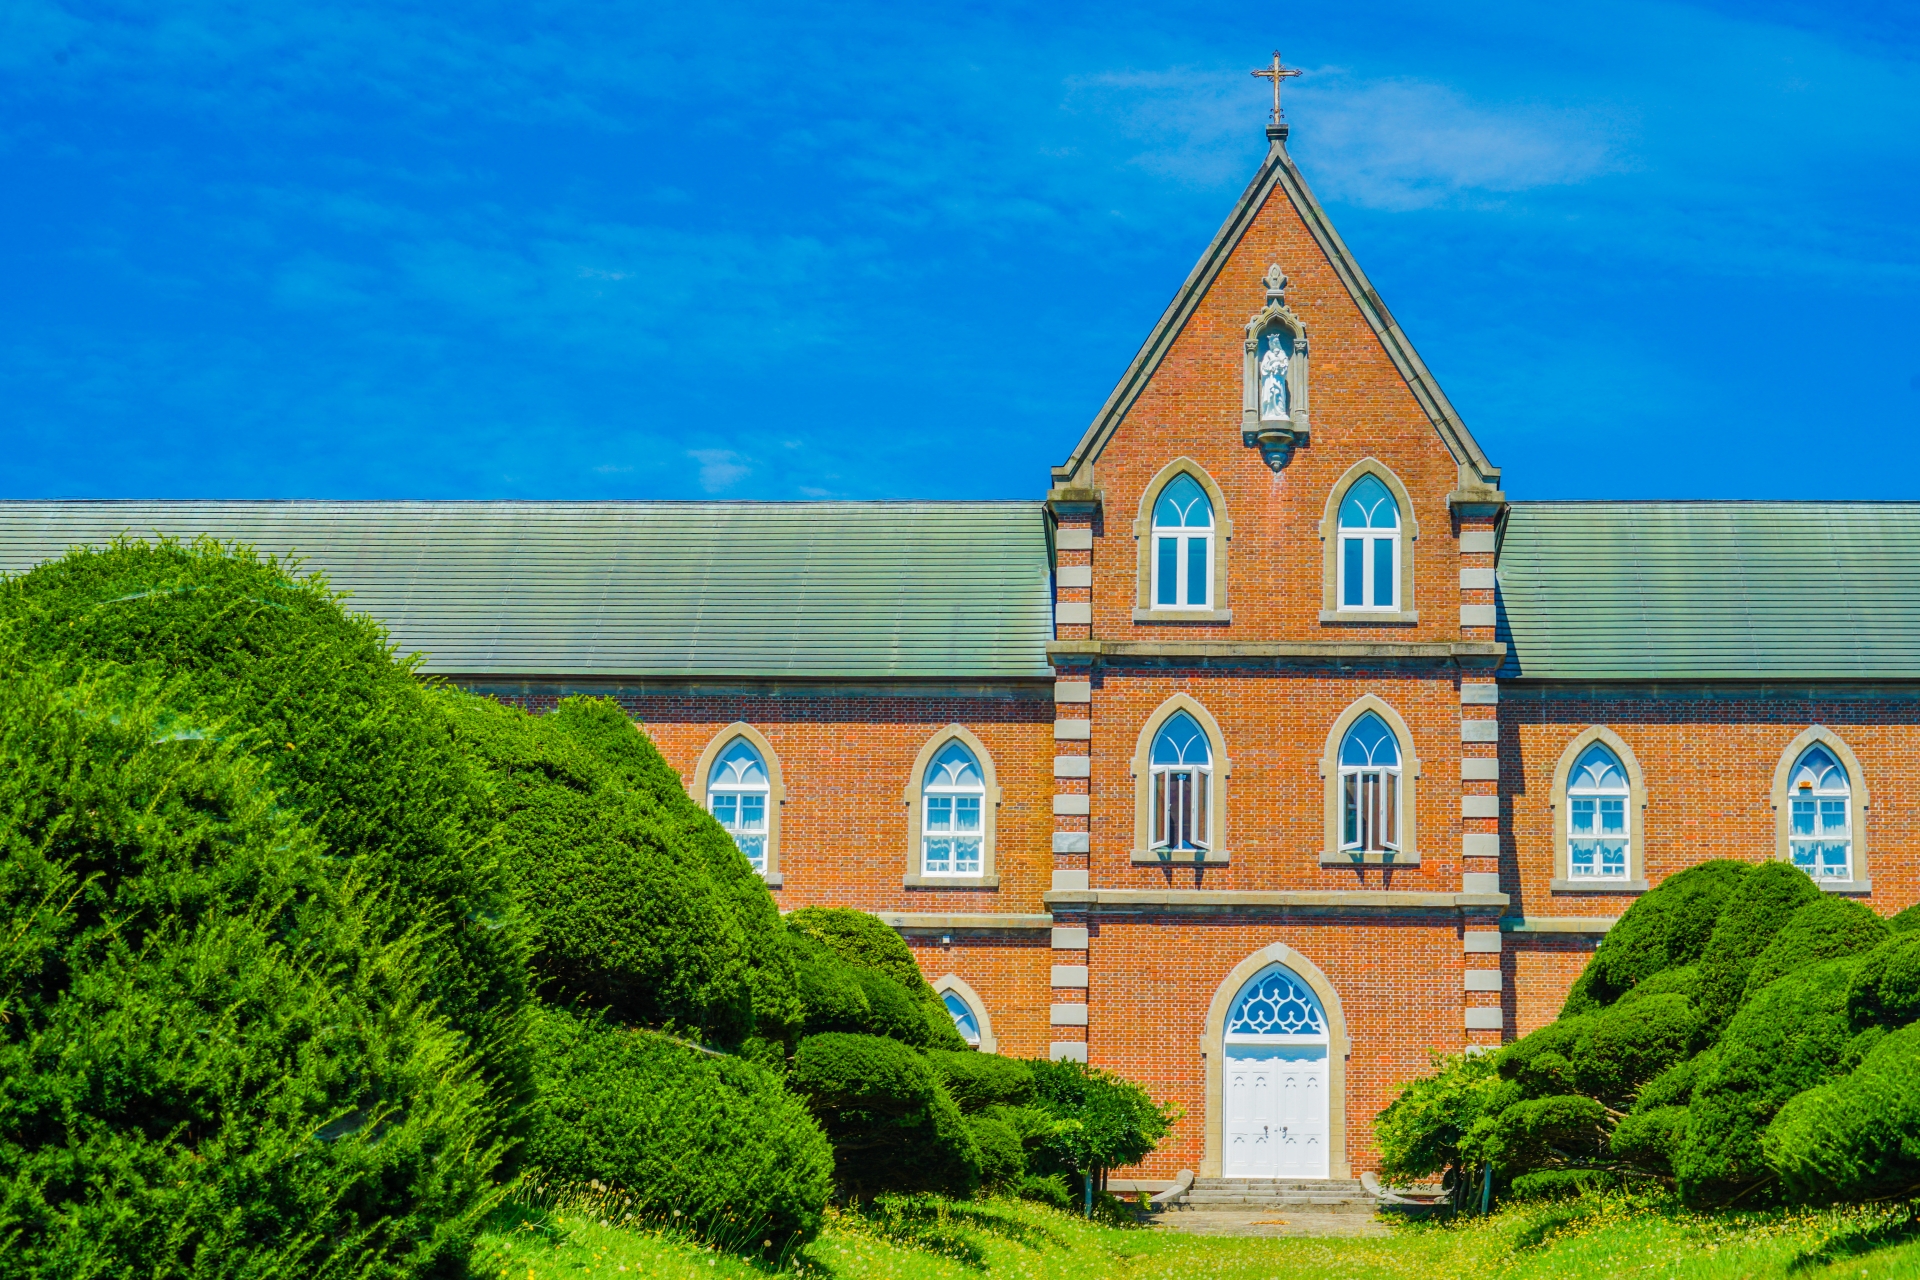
(1183, 615)
(773, 878)
(1369, 617)
(1596, 884)
(1404, 858)
(916, 881)
(1845, 886)
(1161, 858)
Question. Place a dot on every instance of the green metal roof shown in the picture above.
(1711, 590)
(608, 589)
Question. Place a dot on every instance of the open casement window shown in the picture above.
(1597, 794)
(965, 1021)
(737, 796)
(1820, 830)
(1182, 766)
(1369, 548)
(1370, 787)
(1182, 546)
(953, 793)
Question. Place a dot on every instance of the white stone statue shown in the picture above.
(1273, 379)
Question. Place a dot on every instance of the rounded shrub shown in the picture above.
(981, 1080)
(1003, 1160)
(1541, 1131)
(1102, 1121)
(219, 1059)
(1825, 928)
(347, 736)
(702, 1141)
(1631, 1043)
(866, 943)
(1760, 907)
(1886, 988)
(1793, 1035)
(1647, 1139)
(1664, 929)
(837, 996)
(892, 1125)
(1858, 1137)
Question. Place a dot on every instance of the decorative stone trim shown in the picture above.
(1481, 693)
(1487, 730)
(1143, 544)
(1480, 883)
(1479, 769)
(1069, 938)
(1069, 975)
(1636, 807)
(1859, 802)
(1260, 902)
(1845, 886)
(989, 1043)
(1069, 881)
(961, 922)
(1479, 615)
(1072, 806)
(1594, 884)
(1339, 1046)
(1066, 539)
(1072, 613)
(1143, 779)
(776, 788)
(1330, 610)
(1483, 979)
(1073, 691)
(1073, 766)
(1480, 942)
(1479, 806)
(1070, 841)
(1063, 1014)
(989, 811)
(1557, 924)
(1480, 844)
(1072, 730)
(1081, 575)
(1470, 579)
(1477, 655)
(1486, 1020)
(1477, 542)
(1067, 1051)
(1330, 851)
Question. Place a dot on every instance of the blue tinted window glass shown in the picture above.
(1353, 579)
(1182, 504)
(1369, 742)
(1196, 570)
(1383, 572)
(1368, 505)
(1180, 742)
(1168, 591)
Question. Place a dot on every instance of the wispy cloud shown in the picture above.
(720, 469)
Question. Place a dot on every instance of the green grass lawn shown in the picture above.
(1002, 1240)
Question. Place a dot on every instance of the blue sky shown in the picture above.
(622, 250)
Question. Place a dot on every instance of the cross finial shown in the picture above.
(1277, 73)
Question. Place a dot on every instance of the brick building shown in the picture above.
(1270, 751)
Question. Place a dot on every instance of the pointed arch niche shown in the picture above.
(1330, 610)
(776, 788)
(1222, 770)
(1213, 1048)
(1859, 803)
(1276, 362)
(1408, 855)
(953, 982)
(1636, 877)
(914, 797)
(1143, 605)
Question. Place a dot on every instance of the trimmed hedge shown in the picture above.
(1886, 988)
(892, 1125)
(1003, 1160)
(217, 1059)
(1825, 928)
(1664, 929)
(837, 996)
(1854, 1138)
(705, 1142)
(978, 1080)
(346, 734)
(1758, 909)
(866, 943)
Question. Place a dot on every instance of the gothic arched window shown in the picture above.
(1820, 831)
(1182, 765)
(964, 1019)
(1369, 547)
(1276, 1004)
(1370, 787)
(737, 797)
(952, 792)
(1182, 546)
(1597, 818)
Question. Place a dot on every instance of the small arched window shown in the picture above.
(1369, 547)
(1182, 546)
(1820, 834)
(1276, 1005)
(1597, 817)
(737, 797)
(1370, 787)
(1182, 764)
(964, 1019)
(952, 792)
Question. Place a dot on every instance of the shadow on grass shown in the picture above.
(1900, 1226)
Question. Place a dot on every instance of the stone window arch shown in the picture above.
(1596, 781)
(1148, 560)
(1817, 781)
(952, 988)
(1366, 538)
(938, 796)
(1207, 767)
(1355, 774)
(724, 773)
(1219, 1039)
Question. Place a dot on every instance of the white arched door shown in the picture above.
(1274, 1060)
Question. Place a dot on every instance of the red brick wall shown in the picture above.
(1010, 973)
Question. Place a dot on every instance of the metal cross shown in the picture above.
(1277, 73)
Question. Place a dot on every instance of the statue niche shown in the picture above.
(1274, 415)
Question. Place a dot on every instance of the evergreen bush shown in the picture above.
(1665, 928)
(1825, 928)
(1101, 1121)
(978, 1080)
(218, 1058)
(702, 1141)
(1766, 898)
(346, 734)
(837, 996)
(1003, 1160)
(864, 942)
(892, 1125)
(1886, 988)
(1420, 1132)
(1858, 1137)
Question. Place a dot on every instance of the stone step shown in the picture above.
(1277, 1184)
(1277, 1195)
(1282, 1206)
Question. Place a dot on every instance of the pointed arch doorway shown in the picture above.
(1276, 1088)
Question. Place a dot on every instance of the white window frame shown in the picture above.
(1367, 538)
(1586, 800)
(951, 799)
(1188, 784)
(1184, 537)
(1818, 803)
(1361, 788)
(732, 794)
